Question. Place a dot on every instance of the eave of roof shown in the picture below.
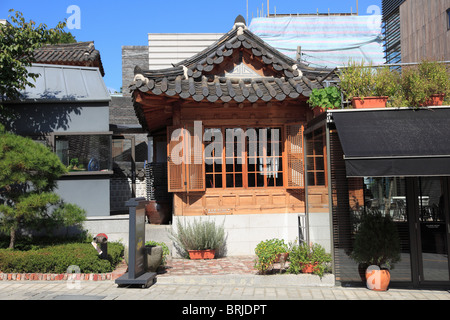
(79, 53)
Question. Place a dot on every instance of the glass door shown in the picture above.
(432, 216)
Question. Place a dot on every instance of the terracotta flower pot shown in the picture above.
(318, 111)
(435, 100)
(201, 254)
(377, 280)
(369, 102)
(308, 267)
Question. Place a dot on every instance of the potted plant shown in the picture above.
(308, 258)
(198, 240)
(361, 85)
(269, 252)
(323, 99)
(426, 84)
(377, 247)
(157, 253)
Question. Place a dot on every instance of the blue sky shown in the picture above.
(113, 24)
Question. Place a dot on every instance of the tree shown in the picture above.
(18, 41)
(28, 176)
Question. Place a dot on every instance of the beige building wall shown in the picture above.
(167, 48)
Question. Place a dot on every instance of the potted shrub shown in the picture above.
(323, 99)
(377, 244)
(198, 240)
(426, 84)
(361, 85)
(157, 253)
(308, 258)
(268, 252)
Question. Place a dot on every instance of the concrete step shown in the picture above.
(274, 280)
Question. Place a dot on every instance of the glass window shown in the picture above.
(243, 157)
(84, 152)
(315, 146)
(448, 19)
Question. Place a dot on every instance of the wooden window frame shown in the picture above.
(245, 156)
(311, 154)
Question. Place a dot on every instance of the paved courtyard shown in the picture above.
(231, 278)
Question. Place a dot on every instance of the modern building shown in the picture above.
(416, 29)
(68, 109)
(383, 160)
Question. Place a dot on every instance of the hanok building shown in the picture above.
(239, 85)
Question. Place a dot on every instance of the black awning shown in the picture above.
(395, 142)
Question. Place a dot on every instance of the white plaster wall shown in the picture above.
(320, 229)
(244, 232)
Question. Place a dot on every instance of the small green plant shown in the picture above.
(75, 165)
(198, 235)
(325, 98)
(304, 254)
(165, 249)
(267, 253)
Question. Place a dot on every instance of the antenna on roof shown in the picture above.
(247, 11)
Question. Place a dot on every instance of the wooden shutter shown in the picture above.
(295, 177)
(175, 161)
(185, 163)
(195, 167)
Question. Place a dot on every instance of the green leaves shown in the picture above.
(199, 235)
(326, 98)
(28, 175)
(267, 253)
(377, 241)
(18, 41)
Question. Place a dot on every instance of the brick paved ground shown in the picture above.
(220, 266)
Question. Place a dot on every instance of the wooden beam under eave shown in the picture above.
(145, 98)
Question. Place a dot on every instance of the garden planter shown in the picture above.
(158, 212)
(309, 267)
(369, 102)
(377, 280)
(435, 100)
(201, 254)
(154, 257)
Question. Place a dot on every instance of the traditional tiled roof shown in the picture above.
(197, 76)
(77, 54)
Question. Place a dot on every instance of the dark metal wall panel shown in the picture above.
(389, 6)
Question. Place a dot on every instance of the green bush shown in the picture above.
(57, 258)
(198, 235)
(267, 253)
(305, 253)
